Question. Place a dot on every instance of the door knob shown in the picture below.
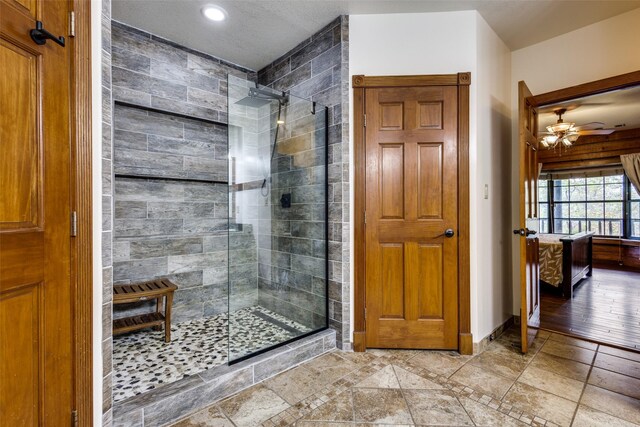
(449, 232)
(524, 232)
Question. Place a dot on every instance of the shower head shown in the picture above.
(258, 97)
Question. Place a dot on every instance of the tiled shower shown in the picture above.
(198, 190)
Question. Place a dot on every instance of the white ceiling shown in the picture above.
(259, 31)
(620, 107)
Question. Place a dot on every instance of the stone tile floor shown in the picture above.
(561, 382)
(142, 360)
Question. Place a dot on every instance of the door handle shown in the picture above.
(449, 232)
(40, 35)
(524, 232)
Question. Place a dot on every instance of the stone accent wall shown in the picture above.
(107, 215)
(170, 178)
(317, 69)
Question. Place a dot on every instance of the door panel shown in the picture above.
(430, 268)
(411, 199)
(430, 181)
(36, 358)
(20, 163)
(392, 255)
(392, 181)
(529, 255)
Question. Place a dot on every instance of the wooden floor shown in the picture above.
(605, 308)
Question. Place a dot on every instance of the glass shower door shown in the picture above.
(278, 218)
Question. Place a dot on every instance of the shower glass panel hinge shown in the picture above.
(74, 224)
(72, 24)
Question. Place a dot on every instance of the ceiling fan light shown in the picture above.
(544, 143)
(559, 127)
(572, 137)
(550, 139)
(566, 142)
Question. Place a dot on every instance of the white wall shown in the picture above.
(491, 248)
(446, 43)
(604, 49)
(96, 134)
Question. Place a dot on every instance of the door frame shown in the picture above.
(565, 94)
(359, 83)
(81, 203)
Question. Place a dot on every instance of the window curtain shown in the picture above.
(631, 165)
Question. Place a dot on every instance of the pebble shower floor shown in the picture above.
(142, 360)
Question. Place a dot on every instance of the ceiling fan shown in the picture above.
(566, 133)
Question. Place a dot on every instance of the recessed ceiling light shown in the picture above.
(214, 13)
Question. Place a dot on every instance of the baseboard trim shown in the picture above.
(359, 344)
(482, 345)
(465, 343)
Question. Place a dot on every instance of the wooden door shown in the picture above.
(529, 222)
(411, 201)
(36, 353)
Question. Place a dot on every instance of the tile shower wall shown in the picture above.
(170, 217)
(291, 244)
(318, 69)
(107, 215)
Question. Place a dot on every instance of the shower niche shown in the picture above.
(278, 258)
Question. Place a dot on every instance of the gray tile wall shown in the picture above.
(172, 227)
(318, 69)
(151, 71)
(292, 245)
(107, 214)
(142, 77)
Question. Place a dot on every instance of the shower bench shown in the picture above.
(144, 291)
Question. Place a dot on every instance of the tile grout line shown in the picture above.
(525, 368)
(464, 409)
(395, 374)
(584, 386)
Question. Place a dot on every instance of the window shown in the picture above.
(543, 203)
(634, 213)
(599, 204)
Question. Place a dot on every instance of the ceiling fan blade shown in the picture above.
(596, 132)
(589, 126)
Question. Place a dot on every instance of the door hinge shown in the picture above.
(74, 418)
(365, 217)
(365, 120)
(365, 313)
(72, 24)
(74, 224)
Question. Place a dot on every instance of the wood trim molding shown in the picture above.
(359, 246)
(591, 88)
(81, 246)
(465, 343)
(359, 83)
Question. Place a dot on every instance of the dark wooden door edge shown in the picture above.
(599, 86)
(359, 83)
(81, 246)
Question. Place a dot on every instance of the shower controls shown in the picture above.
(285, 200)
